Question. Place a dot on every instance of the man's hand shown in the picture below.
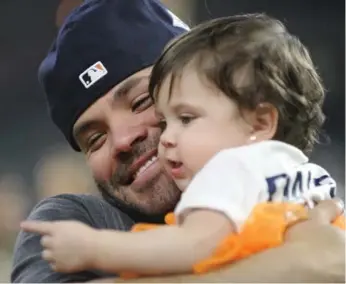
(322, 245)
(319, 218)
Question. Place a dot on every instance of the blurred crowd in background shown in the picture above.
(36, 162)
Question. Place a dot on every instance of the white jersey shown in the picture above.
(237, 179)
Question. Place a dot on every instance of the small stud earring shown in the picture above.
(252, 138)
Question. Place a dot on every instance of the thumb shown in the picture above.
(327, 211)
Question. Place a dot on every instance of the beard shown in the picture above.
(154, 199)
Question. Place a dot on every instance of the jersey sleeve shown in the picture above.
(28, 265)
(226, 184)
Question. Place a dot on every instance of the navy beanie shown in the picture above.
(100, 44)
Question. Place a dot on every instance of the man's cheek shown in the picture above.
(101, 171)
(151, 118)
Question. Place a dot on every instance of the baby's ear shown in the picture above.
(265, 121)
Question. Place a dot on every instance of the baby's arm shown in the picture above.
(70, 246)
(168, 249)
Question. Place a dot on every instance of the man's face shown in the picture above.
(119, 135)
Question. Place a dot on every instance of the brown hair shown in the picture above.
(278, 64)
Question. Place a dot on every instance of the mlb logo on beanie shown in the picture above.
(93, 74)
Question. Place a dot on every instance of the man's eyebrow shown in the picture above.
(127, 86)
(82, 128)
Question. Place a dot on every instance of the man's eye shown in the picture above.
(142, 104)
(94, 141)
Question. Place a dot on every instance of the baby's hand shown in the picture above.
(67, 245)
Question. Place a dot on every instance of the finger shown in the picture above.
(47, 255)
(46, 241)
(54, 266)
(327, 211)
(40, 227)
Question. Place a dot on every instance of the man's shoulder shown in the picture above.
(89, 209)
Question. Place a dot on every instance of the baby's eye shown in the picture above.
(186, 119)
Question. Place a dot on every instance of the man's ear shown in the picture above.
(264, 121)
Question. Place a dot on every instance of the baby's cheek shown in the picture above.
(195, 151)
(195, 160)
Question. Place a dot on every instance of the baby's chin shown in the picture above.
(182, 184)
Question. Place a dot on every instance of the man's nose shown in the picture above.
(124, 139)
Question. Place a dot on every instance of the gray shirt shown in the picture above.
(28, 265)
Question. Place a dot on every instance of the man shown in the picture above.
(96, 78)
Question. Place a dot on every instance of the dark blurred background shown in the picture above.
(35, 161)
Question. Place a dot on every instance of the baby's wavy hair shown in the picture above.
(278, 66)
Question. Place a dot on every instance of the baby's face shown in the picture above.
(197, 122)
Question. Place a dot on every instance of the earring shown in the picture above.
(252, 138)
